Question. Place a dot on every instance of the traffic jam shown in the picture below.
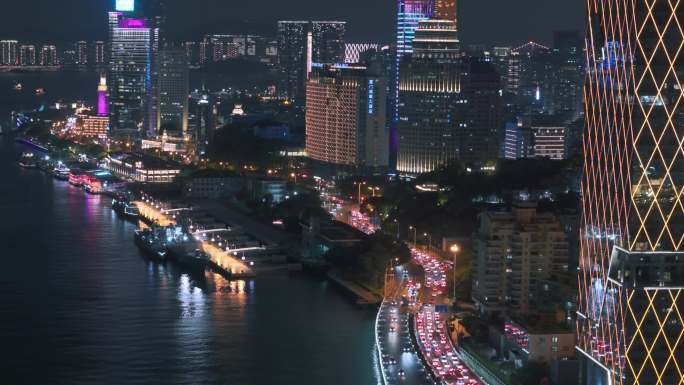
(431, 330)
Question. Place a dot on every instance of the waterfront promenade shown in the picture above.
(220, 259)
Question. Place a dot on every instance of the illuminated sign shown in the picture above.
(371, 91)
(125, 5)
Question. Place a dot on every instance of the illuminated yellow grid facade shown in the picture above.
(630, 318)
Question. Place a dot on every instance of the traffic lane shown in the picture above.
(399, 356)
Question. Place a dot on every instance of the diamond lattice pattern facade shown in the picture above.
(630, 324)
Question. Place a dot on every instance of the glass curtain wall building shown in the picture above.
(631, 278)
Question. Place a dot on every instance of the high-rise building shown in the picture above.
(8, 52)
(327, 42)
(133, 44)
(48, 55)
(27, 55)
(566, 84)
(292, 59)
(192, 53)
(516, 252)
(409, 13)
(203, 119)
(173, 90)
(429, 99)
(81, 53)
(301, 43)
(480, 129)
(518, 142)
(631, 278)
(99, 50)
(531, 77)
(346, 117)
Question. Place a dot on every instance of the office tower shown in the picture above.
(292, 59)
(409, 13)
(346, 117)
(568, 59)
(102, 106)
(8, 52)
(301, 43)
(155, 12)
(192, 52)
(81, 53)
(99, 58)
(203, 119)
(511, 77)
(429, 99)
(173, 90)
(132, 43)
(515, 253)
(518, 142)
(631, 278)
(327, 41)
(48, 55)
(27, 55)
(480, 129)
(353, 51)
(534, 82)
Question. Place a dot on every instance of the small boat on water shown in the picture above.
(18, 87)
(61, 171)
(28, 160)
(40, 91)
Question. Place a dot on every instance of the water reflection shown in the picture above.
(94, 309)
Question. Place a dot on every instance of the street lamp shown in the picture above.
(359, 194)
(415, 244)
(429, 237)
(454, 250)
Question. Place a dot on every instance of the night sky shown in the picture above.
(482, 21)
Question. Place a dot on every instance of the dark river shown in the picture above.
(79, 304)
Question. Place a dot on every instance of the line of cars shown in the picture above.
(431, 329)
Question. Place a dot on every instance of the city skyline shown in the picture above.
(507, 23)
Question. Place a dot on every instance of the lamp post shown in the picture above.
(454, 250)
(429, 237)
(415, 244)
(359, 193)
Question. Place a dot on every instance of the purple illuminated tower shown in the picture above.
(102, 108)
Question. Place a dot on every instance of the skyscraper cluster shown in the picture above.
(77, 56)
(448, 107)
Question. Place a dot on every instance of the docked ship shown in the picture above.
(152, 243)
(123, 206)
(194, 260)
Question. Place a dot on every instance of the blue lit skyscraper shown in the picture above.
(409, 13)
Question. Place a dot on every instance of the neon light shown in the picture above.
(132, 23)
